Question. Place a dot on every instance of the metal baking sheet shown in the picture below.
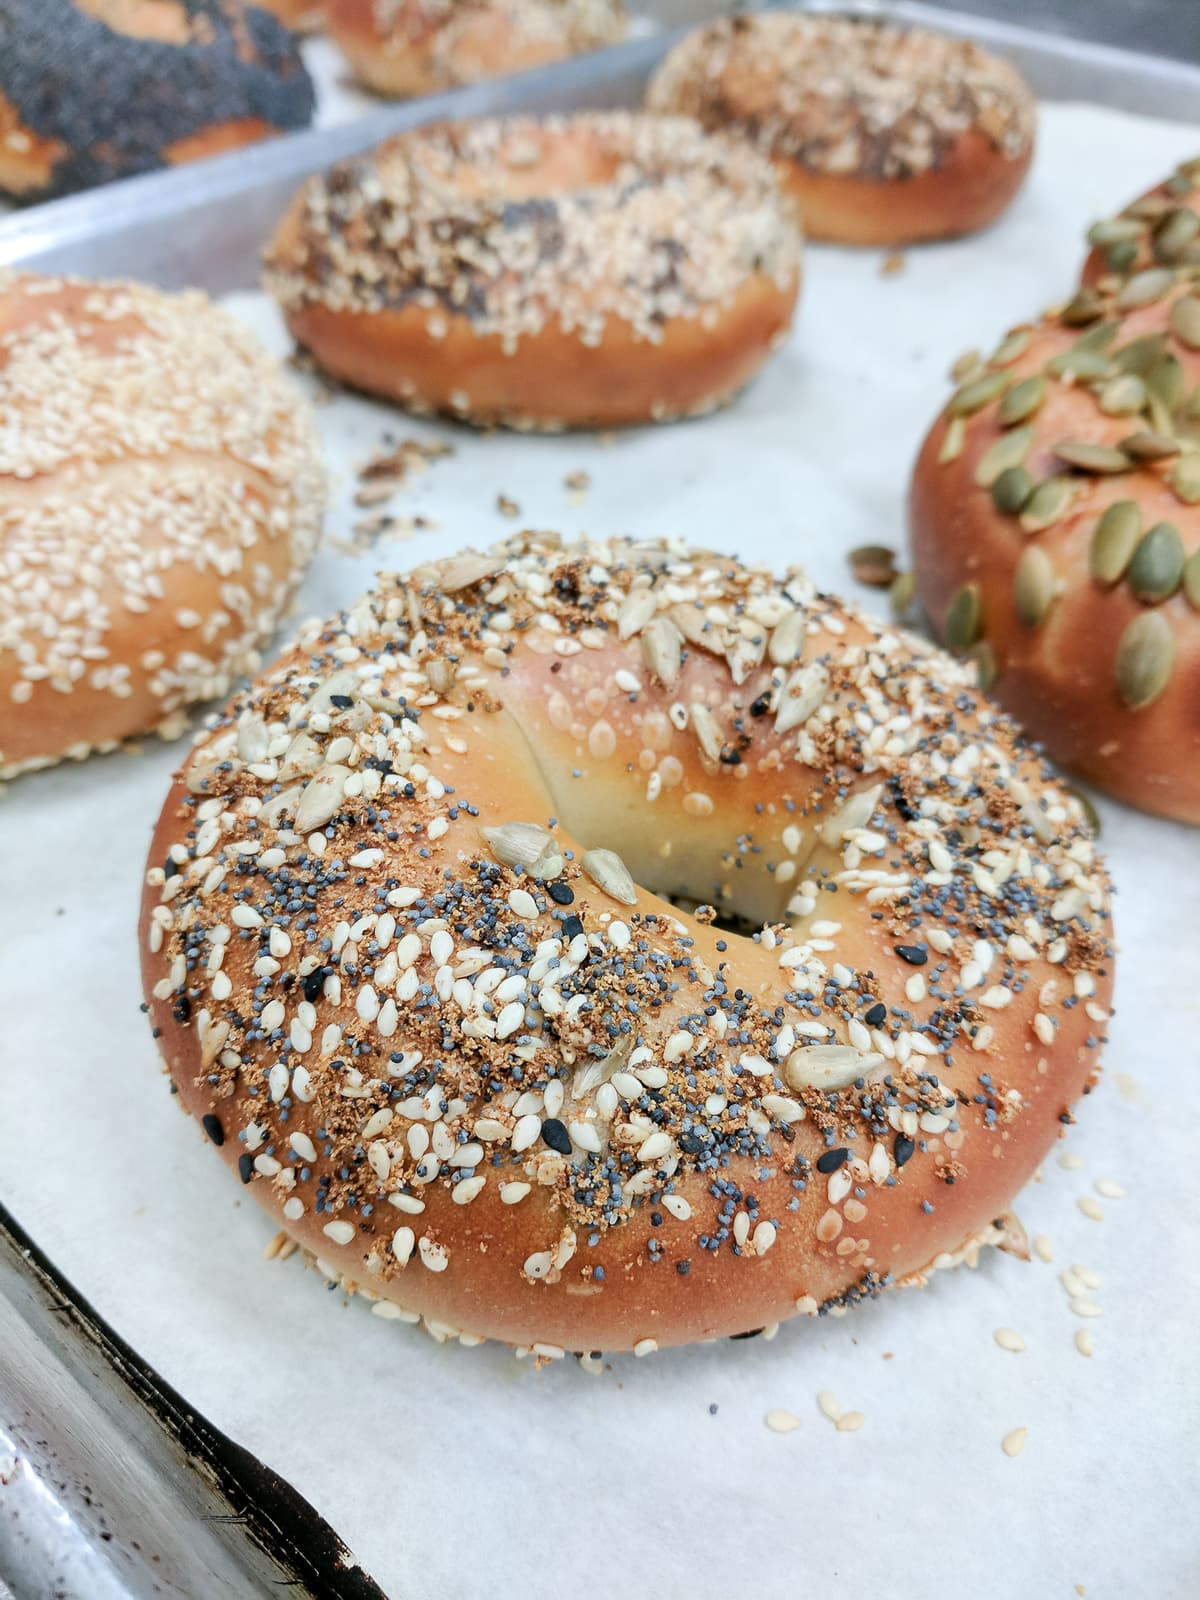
(401, 1443)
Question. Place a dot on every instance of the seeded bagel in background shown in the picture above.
(1055, 521)
(1159, 229)
(410, 964)
(161, 494)
(92, 90)
(884, 135)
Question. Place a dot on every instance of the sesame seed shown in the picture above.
(1014, 1441)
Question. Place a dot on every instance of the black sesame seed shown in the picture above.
(212, 1127)
(246, 1167)
(342, 701)
(313, 985)
(902, 1149)
(760, 707)
(831, 1160)
(556, 1136)
(915, 954)
(876, 1016)
(561, 893)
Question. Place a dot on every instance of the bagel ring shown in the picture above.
(408, 961)
(884, 135)
(589, 271)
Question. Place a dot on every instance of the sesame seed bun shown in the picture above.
(594, 270)
(445, 1027)
(884, 135)
(1076, 576)
(92, 90)
(404, 48)
(160, 495)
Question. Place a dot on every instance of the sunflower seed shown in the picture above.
(874, 565)
(638, 606)
(1123, 396)
(1144, 288)
(1157, 566)
(463, 572)
(1174, 233)
(802, 694)
(1033, 585)
(609, 873)
(1090, 457)
(787, 639)
(1113, 229)
(1191, 579)
(1022, 400)
(1114, 540)
(828, 1067)
(708, 731)
(1147, 446)
(1011, 490)
(1008, 450)
(279, 805)
(960, 626)
(983, 658)
(1185, 479)
(302, 756)
(322, 797)
(662, 650)
(525, 845)
(694, 627)
(1140, 354)
(1145, 656)
(1013, 344)
(952, 442)
(973, 396)
(252, 738)
(1048, 502)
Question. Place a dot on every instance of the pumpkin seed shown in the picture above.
(1022, 400)
(1033, 585)
(1014, 344)
(1114, 539)
(1191, 579)
(976, 394)
(1123, 396)
(1185, 319)
(968, 365)
(1144, 288)
(1166, 381)
(902, 593)
(1090, 815)
(609, 873)
(951, 448)
(1174, 233)
(1084, 308)
(960, 626)
(1081, 363)
(1048, 502)
(1192, 409)
(1120, 257)
(1090, 457)
(983, 658)
(1098, 337)
(1011, 490)
(1148, 446)
(1145, 656)
(874, 565)
(1157, 565)
(1185, 479)
(1140, 354)
(1112, 230)
(1008, 450)
(1149, 206)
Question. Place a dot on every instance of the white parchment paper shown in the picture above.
(463, 1472)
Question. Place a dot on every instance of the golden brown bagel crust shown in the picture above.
(888, 136)
(160, 496)
(300, 16)
(1161, 228)
(589, 271)
(1104, 669)
(92, 90)
(404, 48)
(545, 1106)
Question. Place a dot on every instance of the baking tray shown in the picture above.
(205, 226)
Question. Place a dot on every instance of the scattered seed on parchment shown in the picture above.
(1109, 1189)
(1009, 1339)
(507, 507)
(1013, 1443)
(578, 482)
(1091, 1207)
(1069, 1161)
(1129, 1088)
(850, 1421)
(1081, 1306)
(280, 1247)
(828, 1406)
(780, 1421)
(1042, 1248)
(893, 264)
(1083, 1341)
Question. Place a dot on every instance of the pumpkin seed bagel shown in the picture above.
(1161, 228)
(884, 135)
(409, 960)
(593, 270)
(1055, 520)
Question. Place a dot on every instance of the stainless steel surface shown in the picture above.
(99, 1496)
(206, 224)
